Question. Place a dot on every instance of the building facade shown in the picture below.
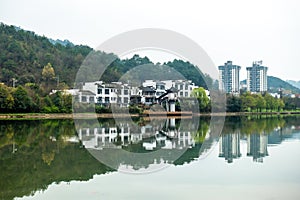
(122, 94)
(257, 78)
(184, 87)
(229, 78)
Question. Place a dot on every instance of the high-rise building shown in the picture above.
(257, 146)
(257, 77)
(229, 78)
(229, 146)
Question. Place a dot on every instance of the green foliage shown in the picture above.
(22, 102)
(191, 72)
(57, 103)
(260, 103)
(43, 156)
(23, 55)
(202, 98)
(234, 104)
(26, 56)
(48, 72)
(275, 84)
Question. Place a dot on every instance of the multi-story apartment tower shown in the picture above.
(257, 77)
(229, 78)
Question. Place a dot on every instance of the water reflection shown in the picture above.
(34, 154)
(258, 133)
(163, 141)
(149, 136)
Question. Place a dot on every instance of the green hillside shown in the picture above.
(23, 55)
(294, 83)
(274, 84)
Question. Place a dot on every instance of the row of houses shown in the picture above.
(122, 94)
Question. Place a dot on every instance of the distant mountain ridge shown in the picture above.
(294, 83)
(275, 84)
(61, 42)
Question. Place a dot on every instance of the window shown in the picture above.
(76, 98)
(125, 92)
(99, 99)
(148, 100)
(83, 98)
(99, 90)
(106, 91)
(125, 99)
(160, 87)
(186, 94)
(186, 86)
(106, 99)
(91, 99)
(181, 93)
(181, 87)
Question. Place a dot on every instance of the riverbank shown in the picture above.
(122, 115)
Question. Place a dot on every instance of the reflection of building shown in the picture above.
(149, 136)
(257, 146)
(229, 78)
(229, 146)
(257, 77)
(164, 140)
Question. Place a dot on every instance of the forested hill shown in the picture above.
(294, 83)
(24, 54)
(274, 84)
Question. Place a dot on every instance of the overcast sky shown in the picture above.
(241, 31)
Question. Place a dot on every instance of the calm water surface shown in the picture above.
(254, 158)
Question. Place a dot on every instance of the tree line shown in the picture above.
(265, 102)
(26, 99)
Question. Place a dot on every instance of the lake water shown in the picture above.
(253, 158)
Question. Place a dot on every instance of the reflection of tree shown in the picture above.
(48, 157)
(43, 157)
(260, 124)
(200, 135)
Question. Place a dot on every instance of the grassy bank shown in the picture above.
(19, 116)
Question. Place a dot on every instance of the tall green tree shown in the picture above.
(270, 102)
(248, 102)
(234, 104)
(22, 102)
(260, 103)
(200, 95)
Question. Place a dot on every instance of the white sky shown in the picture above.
(241, 31)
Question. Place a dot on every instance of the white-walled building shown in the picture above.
(121, 94)
(184, 87)
(257, 78)
(229, 78)
(107, 93)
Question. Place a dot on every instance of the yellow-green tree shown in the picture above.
(48, 72)
(202, 98)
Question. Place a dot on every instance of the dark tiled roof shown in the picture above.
(148, 89)
(87, 92)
